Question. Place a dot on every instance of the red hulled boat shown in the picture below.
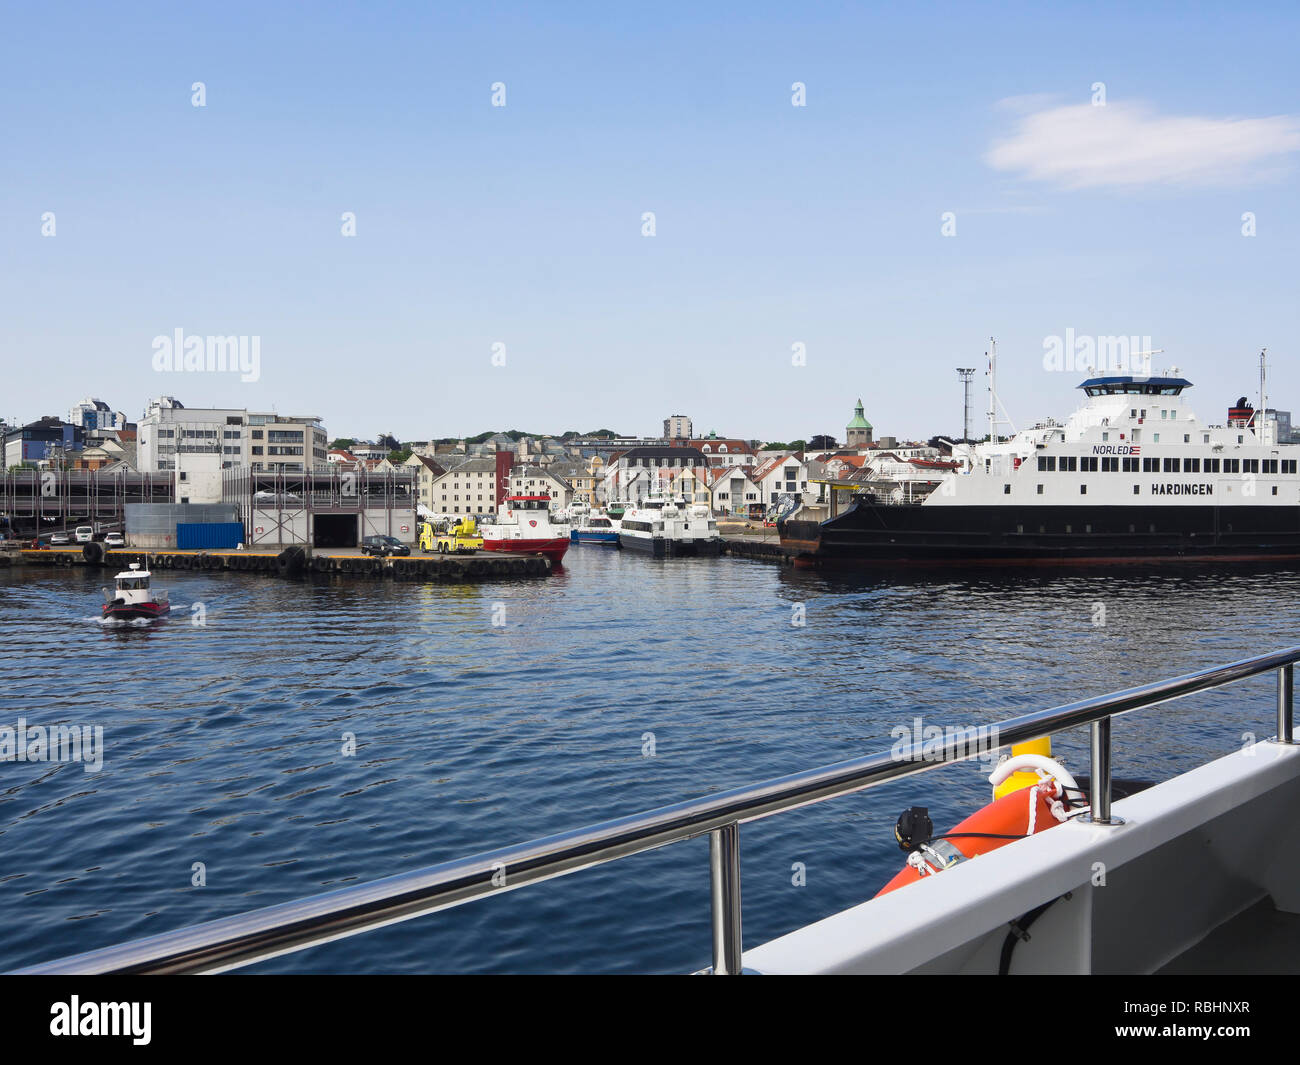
(526, 526)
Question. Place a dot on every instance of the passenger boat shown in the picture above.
(668, 528)
(525, 525)
(1133, 476)
(595, 529)
(132, 597)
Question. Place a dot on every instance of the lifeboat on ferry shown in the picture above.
(1032, 794)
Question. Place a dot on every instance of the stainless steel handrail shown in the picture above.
(232, 942)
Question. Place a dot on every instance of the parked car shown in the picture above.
(59, 539)
(114, 539)
(84, 534)
(383, 545)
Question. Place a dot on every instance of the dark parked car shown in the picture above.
(383, 545)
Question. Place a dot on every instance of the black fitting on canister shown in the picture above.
(914, 828)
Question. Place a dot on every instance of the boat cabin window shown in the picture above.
(126, 584)
(1132, 389)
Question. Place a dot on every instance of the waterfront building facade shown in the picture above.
(785, 474)
(734, 491)
(632, 474)
(541, 481)
(467, 488)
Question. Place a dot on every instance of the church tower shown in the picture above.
(858, 433)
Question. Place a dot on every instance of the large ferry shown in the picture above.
(1133, 475)
(525, 525)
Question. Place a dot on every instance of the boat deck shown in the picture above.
(1260, 939)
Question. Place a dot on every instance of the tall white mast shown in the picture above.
(993, 391)
(1261, 419)
(994, 402)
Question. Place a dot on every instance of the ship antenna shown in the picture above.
(1262, 415)
(993, 390)
(994, 401)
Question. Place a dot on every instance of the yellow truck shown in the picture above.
(450, 537)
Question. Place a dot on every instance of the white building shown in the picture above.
(734, 491)
(725, 452)
(632, 474)
(470, 488)
(198, 443)
(93, 413)
(785, 474)
(537, 481)
(368, 451)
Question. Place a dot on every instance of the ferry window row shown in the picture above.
(1115, 464)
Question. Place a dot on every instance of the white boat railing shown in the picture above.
(233, 942)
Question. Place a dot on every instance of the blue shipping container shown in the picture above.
(208, 535)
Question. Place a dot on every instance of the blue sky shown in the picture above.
(522, 224)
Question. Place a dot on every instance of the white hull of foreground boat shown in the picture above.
(1215, 844)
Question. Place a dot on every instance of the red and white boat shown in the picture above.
(526, 526)
(132, 598)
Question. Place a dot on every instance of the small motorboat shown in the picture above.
(132, 597)
(596, 529)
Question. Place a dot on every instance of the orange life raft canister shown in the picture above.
(1022, 813)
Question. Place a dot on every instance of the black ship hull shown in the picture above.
(880, 534)
(662, 547)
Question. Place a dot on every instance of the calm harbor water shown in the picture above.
(224, 742)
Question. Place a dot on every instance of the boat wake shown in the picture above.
(124, 623)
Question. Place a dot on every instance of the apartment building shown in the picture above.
(427, 472)
(540, 481)
(469, 488)
(93, 413)
(677, 427)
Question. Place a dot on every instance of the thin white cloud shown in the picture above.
(1127, 144)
